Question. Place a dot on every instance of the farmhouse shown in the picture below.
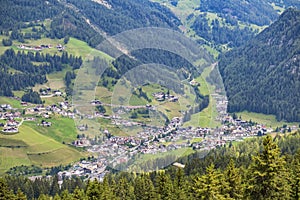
(45, 124)
(10, 130)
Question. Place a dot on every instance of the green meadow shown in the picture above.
(31, 147)
(267, 120)
(62, 130)
(14, 103)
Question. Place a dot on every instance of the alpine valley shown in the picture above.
(149, 99)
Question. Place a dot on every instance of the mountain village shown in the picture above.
(113, 151)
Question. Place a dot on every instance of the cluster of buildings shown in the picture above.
(114, 150)
(59, 47)
(61, 108)
(162, 96)
(12, 119)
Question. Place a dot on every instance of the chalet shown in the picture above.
(96, 102)
(24, 103)
(11, 123)
(10, 130)
(60, 47)
(6, 106)
(174, 99)
(45, 124)
(57, 93)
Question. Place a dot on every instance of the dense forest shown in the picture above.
(15, 13)
(18, 72)
(258, 168)
(69, 18)
(258, 12)
(65, 22)
(263, 75)
(126, 15)
(222, 32)
(125, 63)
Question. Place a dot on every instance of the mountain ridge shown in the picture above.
(263, 75)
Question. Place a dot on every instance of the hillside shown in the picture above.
(226, 24)
(263, 75)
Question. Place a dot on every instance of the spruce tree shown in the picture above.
(180, 185)
(268, 174)
(125, 190)
(5, 192)
(20, 195)
(234, 181)
(164, 186)
(79, 194)
(210, 186)
(143, 188)
(296, 176)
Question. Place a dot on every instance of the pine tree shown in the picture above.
(107, 190)
(20, 195)
(296, 175)
(5, 192)
(164, 186)
(143, 188)
(65, 195)
(125, 190)
(56, 197)
(54, 186)
(180, 185)
(210, 185)
(44, 197)
(268, 175)
(93, 190)
(79, 194)
(234, 181)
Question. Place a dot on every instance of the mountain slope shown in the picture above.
(116, 16)
(264, 75)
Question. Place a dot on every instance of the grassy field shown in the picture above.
(18, 93)
(267, 120)
(206, 118)
(136, 101)
(10, 157)
(79, 48)
(62, 129)
(7, 142)
(30, 147)
(14, 103)
(3, 48)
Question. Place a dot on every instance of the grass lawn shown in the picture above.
(79, 48)
(18, 93)
(11, 157)
(3, 48)
(34, 148)
(267, 120)
(62, 129)
(206, 118)
(52, 100)
(103, 94)
(14, 103)
(7, 142)
(136, 101)
(196, 140)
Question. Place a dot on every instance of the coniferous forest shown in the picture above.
(269, 64)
